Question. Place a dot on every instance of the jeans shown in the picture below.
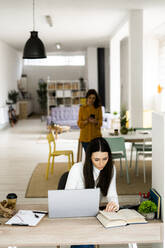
(82, 246)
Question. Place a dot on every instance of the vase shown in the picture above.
(149, 216)
(124, 130)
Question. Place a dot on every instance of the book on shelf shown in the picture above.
(121, 218)
(155, 197)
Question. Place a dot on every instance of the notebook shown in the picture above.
(26, 218)
(73, 203)
(155, 197)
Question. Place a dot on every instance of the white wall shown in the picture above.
(92, 68)
(124, 79)
(136, 68)
(10, 73)
(158, 155)
(34, 73)
(160, 98)
(158, 160)
(150, 73)
(10, 70)
(114, 45)
(107, 79)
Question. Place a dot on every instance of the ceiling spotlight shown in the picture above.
(58, 46)
(34, 47)
(49, 20)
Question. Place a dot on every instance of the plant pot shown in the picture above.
(124, 130)
(149, 216)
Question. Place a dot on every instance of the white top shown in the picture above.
(76, 181)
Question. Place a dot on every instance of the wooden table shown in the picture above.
(131, 137)
(69, 231)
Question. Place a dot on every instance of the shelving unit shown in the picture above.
(64, 93)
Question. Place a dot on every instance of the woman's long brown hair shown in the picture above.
(97, 102)
(98, 145)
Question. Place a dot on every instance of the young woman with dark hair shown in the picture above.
(90, 118)
(97, 171)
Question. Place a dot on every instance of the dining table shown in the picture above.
(137, 136)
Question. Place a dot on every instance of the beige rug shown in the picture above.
(38, 187)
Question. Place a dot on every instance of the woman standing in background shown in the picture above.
(90, 118)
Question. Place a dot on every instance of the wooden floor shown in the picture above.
(21, 149)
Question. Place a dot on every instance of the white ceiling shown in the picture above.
(76, 24)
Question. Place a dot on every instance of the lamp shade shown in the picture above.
(34, 47)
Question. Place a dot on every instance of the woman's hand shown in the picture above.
(85, 122)
(92, 120)
(111, 207)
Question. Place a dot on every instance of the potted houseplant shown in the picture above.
(13, 96)
(42, 97)
(148, 209)
(123, 121)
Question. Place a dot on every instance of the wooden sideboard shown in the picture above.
(25, 109)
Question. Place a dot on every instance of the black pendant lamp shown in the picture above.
(34, 47)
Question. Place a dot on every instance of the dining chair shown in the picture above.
(118, 150)
(144, 149)
(53, 153)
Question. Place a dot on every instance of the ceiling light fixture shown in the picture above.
(58, 46)
(34, 47)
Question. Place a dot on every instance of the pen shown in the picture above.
(40, 212)
(16, 224)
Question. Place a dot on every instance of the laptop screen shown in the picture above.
(73, 203)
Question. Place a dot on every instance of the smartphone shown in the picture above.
(92, 116)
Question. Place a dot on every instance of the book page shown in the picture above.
(129, 215)
(110, 223)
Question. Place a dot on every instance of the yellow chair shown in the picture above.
(53, 153)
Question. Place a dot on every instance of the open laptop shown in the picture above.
(73, 203)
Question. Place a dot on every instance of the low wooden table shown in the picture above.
(72, 231)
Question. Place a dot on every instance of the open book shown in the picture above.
(120, 218)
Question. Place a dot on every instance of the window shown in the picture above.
(57, 60)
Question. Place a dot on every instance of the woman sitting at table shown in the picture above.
(97, 171)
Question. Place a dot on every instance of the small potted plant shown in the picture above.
(148, 209)
(123, 121)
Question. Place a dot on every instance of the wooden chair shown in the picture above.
(53, 152)
(117, 145)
